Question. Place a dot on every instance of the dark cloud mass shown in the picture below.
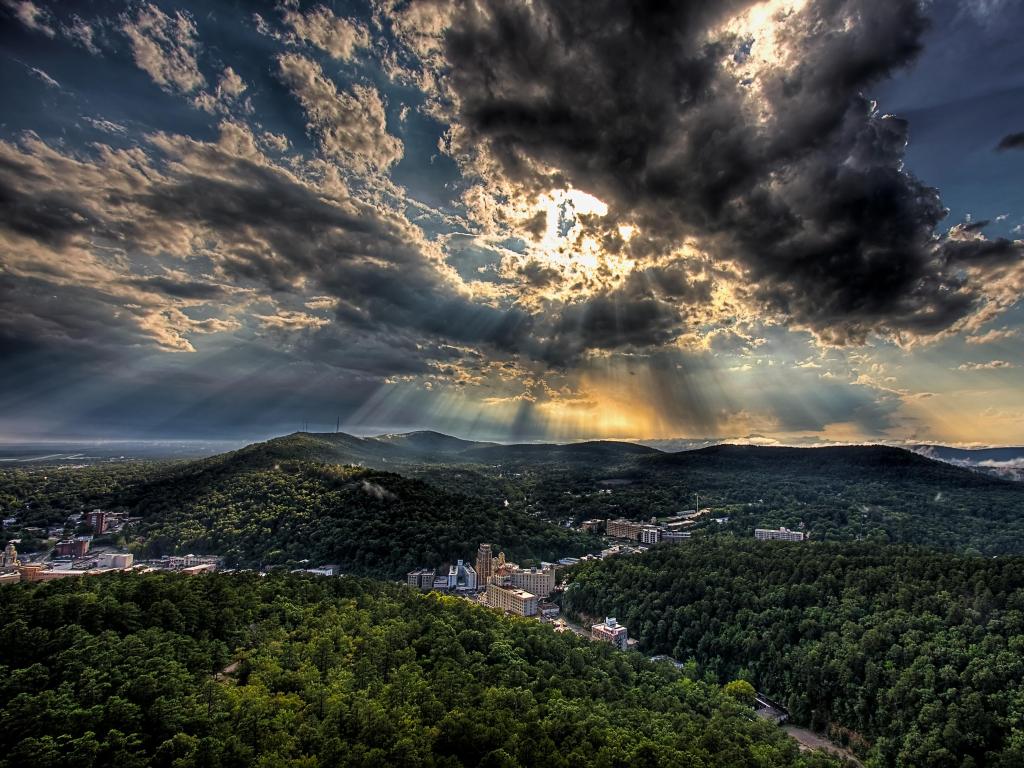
(1011, 141)
(791, 171)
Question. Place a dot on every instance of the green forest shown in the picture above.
(369, 522)
(307, 497)
(912, 657)
(240, 670)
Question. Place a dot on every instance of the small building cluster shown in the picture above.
(504, 585)
(647, 533)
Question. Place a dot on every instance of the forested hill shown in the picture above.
(231, 671)
(369, 522)
(915, 657)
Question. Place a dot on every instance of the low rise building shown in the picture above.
(194, 570)
(779, 534)
(77, 547)
(670, 535)
(511, 599)
(9, 577)
(610, 631)
(422, 578)
(325, 570)
(625, 529)
(548, 610)
(595, 525)
(119, 560)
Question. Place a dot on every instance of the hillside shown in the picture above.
(914, 657)
(835, 493)
(850, 492)
(120, 671)
(367, 521)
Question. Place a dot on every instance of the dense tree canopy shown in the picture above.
(223, 671)
(915, 657)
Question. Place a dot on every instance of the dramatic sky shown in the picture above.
(549, 219)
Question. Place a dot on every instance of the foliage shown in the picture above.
(919, 653)
(137, 670)
(368, 522)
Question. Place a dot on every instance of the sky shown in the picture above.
(784, 222)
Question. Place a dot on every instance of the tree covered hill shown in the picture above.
(915, 657)
(367, 521)
(838, 493)
(846, 492)
(234, 671)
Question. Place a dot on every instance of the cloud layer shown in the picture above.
(512, 211)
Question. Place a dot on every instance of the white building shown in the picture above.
(781, 534)
(650, 535)
(119, 560)
(462, 576)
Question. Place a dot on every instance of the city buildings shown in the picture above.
(595, 525)
(610, 631)
(422, 578)
(462, 576)
(511, 599)
(484, 564)
(781, 534)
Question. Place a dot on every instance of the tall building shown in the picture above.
(9, 559)
(99, 520)
(422, 578)
(462, 576)
(610, 631)
(511, 599)
(484, 564)
(781, 534)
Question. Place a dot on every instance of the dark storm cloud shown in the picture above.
(651, 308)
(633, 102)
(1011, 141)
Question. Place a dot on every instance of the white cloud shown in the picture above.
(338, 37)
(165, 48)
(290, 320)
(996, 334)
(32, 16)
(81, 33)
(44, 77)
(989, 366)
(351, 127)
